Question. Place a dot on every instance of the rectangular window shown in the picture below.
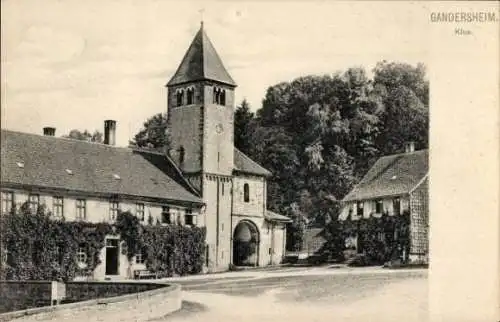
(60, 253)
(396, 205)
(359, 208)
(81, 209)
(7, 201)
(139, 259)
(139, 211)
(81, 255)
(34, 202)
(381, 236)
(189, 218)
(165, 215)
(58, 207)
(379, 207)
(114, 208)
(222, 187)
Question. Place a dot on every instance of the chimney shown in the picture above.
(49, 131)
(109, 132)
(409, 147)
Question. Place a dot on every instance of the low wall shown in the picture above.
(99, 301)
(21, 295)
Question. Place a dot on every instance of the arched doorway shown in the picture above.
(246, 244)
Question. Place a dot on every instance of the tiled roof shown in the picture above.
(244, 164)
(201, 62)
(68, 164)
(392, 175)
(272, 216)
(313, 240)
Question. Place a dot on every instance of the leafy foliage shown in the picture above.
(243, 117)
(319, 135)
(154, 134)
(85, 136)
(171, 249)
(396, 232)
(41, 248)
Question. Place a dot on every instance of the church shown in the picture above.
(202, 181)
(233, 187)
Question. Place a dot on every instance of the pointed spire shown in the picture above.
(201, 62)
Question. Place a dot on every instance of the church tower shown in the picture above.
(200, 116)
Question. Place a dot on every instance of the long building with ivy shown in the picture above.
(202, 181)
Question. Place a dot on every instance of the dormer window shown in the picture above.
(190, 96)
(179, 97)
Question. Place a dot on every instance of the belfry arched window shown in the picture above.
(219, 96)
(179, 97)
(246, 192)
(190, 96)
(222, 100)
(216, 95)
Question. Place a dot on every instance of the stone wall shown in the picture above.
(24, 295)
(98, 301)
(419, 227)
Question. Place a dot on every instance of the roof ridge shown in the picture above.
(62, 138)
(404, 153)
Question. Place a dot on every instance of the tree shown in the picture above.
(405, 115)
(295, 230)
(273, 149)
(154, 134)
(85, 136)
(319, 135)
(243, 124)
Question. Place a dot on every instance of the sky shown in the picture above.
(72, 64)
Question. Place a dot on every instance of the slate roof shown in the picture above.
(243, 163)
(392, 175)
(93, 167)
(272, 216)
(201, 62)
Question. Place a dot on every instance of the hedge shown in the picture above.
(39, 247)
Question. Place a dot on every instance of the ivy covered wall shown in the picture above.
(381, 239)
(38, 247)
